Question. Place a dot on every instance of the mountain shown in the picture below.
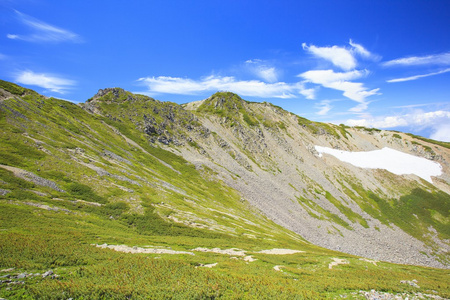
(126, 169)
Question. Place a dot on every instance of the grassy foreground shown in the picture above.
(35, 240)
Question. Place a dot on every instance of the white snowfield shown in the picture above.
(389, 159)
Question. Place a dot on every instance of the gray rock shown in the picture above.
(412, 283)
(48, 273)
(4, 192)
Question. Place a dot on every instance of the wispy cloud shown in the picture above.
(363, 52)
(419, 105)
(360, 49)
(436, 59)
(308, 93)
(262, 69)
(253, 88)
(418, 76)
(340, 81)
(50, 82)
(42, 32)
(438, 121)
(324, 108)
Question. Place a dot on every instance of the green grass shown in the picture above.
(84, 192)
(313, 208)
(231, 107)
(323, 128)
(14, 88)
(352, 216)
(431, 208)
(443, 144)
(369, 130)
(61, 242)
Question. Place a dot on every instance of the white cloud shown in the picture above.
(325, 107)
(415, 105)
(417, 76)
(338, 56)
(340, 81)
(50, 82)
(436, 59)
(382, 122)
(441, 133)
(253, 88)
(269, 74)
(357, 48)
(309, 93)
(43, 32)
(13, 36)
(262, 70)
(428, 118)
(342, 57)
(360, 107)
(437, 121)
(324, 77)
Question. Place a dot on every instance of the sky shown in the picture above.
(383, 64)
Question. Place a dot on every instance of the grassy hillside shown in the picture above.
(72, 179)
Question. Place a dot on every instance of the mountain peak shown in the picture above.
(117, 95)
(225, 95)
(222, 101)
(112, 94)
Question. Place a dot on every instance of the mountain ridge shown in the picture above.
(248, 124)
(267, 155)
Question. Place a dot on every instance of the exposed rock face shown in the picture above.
(285, 178)
(32, 178)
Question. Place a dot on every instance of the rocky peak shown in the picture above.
(112, 94)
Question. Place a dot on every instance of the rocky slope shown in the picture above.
(330, 203)
(253, 153)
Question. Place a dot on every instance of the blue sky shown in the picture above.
(379, 63)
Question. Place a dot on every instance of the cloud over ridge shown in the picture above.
(50, 82)
(438, 121)
(253, 88)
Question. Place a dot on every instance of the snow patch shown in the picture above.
(389, 159)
